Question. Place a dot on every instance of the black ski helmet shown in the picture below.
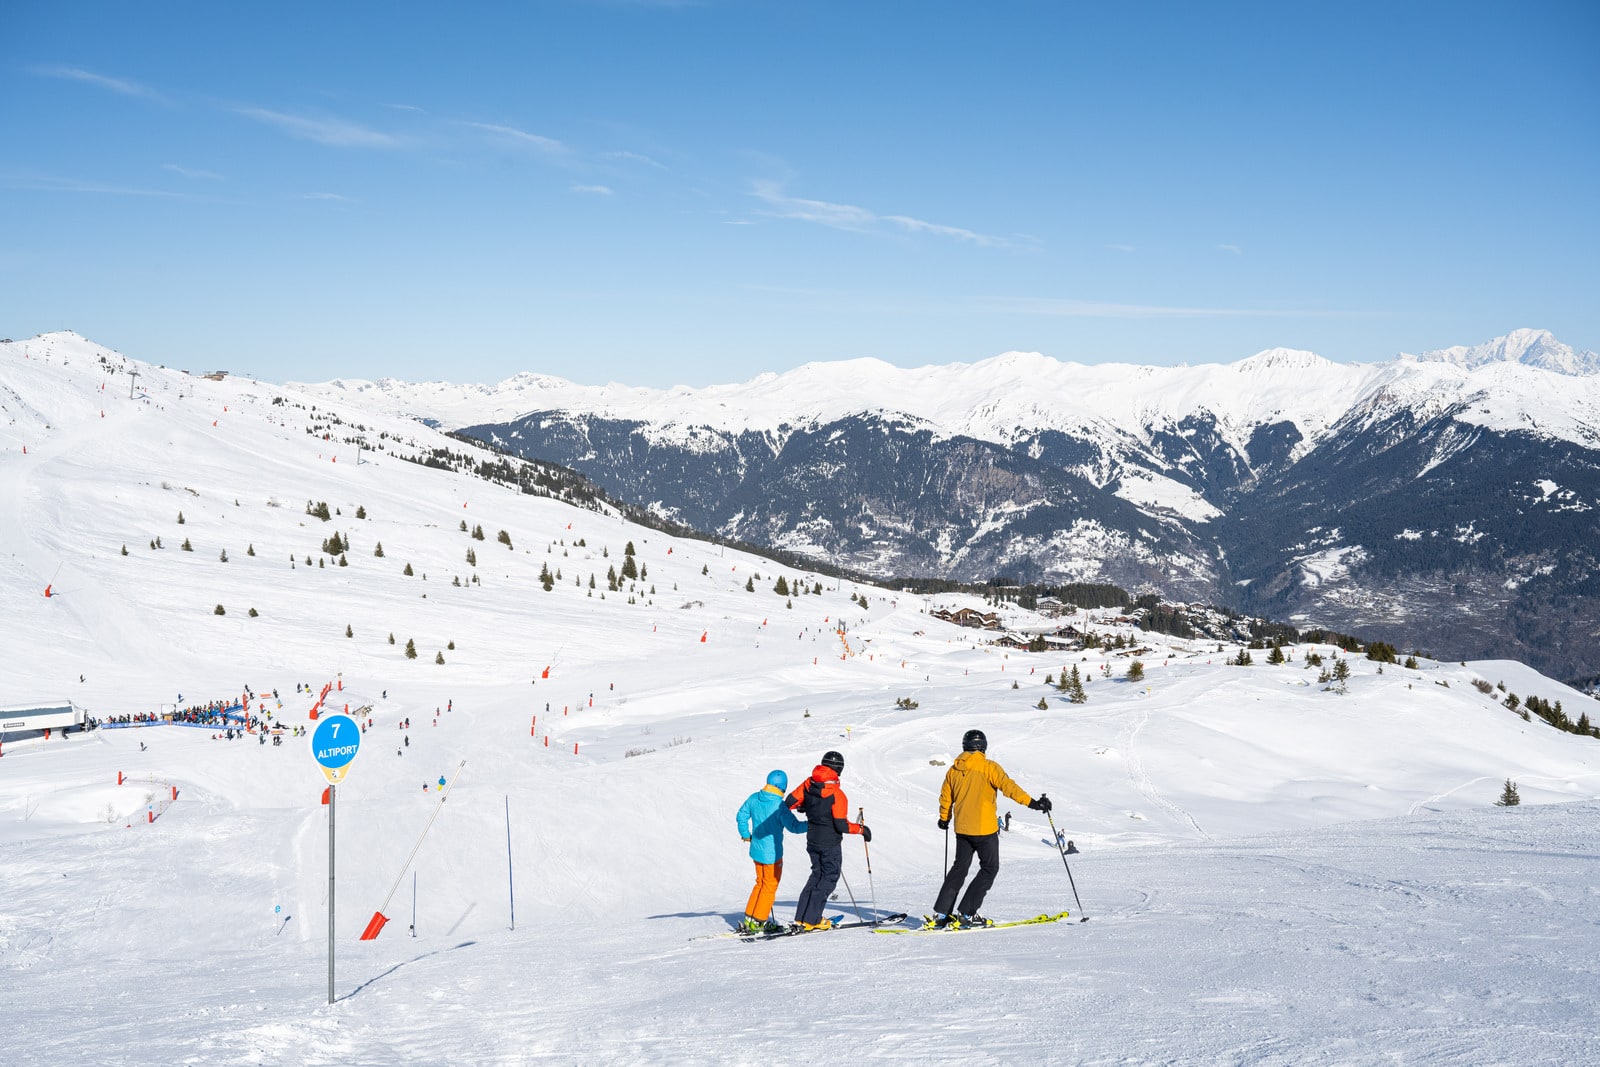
(833, 760)
(974, 741)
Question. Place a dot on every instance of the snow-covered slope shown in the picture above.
(1239, 912)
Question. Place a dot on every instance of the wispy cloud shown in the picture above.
(337, 133)
(190, 172)
(1091, 309)
(1235, 249)
(1122, 248)
(328, 196)
(50, 183)
(860, 219)
(548, 145)
(634, 157)
(406, 107)
(116, 85)
(593, 190)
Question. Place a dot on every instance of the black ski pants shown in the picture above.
(826, 863)
(987, 849)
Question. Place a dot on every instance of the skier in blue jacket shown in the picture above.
(762, 819)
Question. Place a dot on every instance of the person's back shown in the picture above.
(762, 820)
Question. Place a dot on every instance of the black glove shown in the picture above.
(866, 833)
(1041, 803)
(944, 824)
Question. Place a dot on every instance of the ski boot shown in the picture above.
(824, 923)
(748, 926)
(772, 926)
(940, 922)
(975, 920)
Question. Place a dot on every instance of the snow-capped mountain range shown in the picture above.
(1448, 499)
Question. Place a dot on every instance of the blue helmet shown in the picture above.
(778, 779)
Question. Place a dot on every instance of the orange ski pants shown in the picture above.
(768, 875)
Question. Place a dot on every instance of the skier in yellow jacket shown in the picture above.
(967, 799)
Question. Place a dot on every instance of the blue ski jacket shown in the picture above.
(763, 818)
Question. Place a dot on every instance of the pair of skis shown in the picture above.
(1035, 921)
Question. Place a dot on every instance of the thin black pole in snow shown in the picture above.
(1062, 849)
(511, 887)
(413, 903)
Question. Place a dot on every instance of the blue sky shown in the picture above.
(665, 192)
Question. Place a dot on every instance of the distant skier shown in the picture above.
(762, 819)
(967, 798)
(827, 813)
(1008, 822)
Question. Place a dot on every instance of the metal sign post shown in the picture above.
(334, 745)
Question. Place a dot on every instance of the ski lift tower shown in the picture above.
(133, 376)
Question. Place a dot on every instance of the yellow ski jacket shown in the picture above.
(969, 788)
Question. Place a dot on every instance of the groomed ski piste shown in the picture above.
(1273, 873)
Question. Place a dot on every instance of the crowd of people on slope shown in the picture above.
(966, 804)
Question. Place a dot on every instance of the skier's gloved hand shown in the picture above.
(866, 833)
(746, 840)
(944, 824)
(1041, 803)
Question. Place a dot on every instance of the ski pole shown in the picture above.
(947, 848)
(853, 906)
(1070, 880)
(861, 817)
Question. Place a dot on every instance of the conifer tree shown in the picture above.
(782, 586)
(1508, 796)
(1136, 671)
(411, 648)
(438, 657)
(379, 550)
(348, 632)
(408, 571)
(630, 569)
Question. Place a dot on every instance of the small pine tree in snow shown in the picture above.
(505, 539)
(379, 550)
(152, 546)
(705, 568)
(408, 571)
(1072, 686)
(348, 632)
(1043, 705)
(451, 646)
(321, 563)
(787, 603)
(438, 657)
(344, 561)
(186, 546)
(749, 585)
(224, 556)
(1276, 656)
(180, 518)
(463, 525)
(630, 569)
(782, 586)
(628, 549)
(456, 581)
(472, 557)
(1410, 663)
(1508, 796)
(477, 532)
(361, 511)
(250, 550)
(1341, 675)
(124, 550)
(391, 638)
(219, 610)
(546, 579)
(1136, 671)
(254, 613)
(411, 648)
